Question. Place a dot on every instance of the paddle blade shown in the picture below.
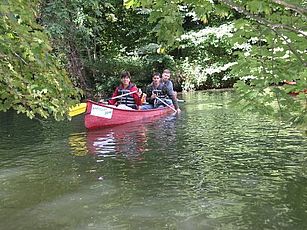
(78, 109)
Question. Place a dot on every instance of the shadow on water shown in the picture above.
(17, 128)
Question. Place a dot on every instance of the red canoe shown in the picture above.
(99, 115)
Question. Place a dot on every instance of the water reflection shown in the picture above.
(77, 143)
(128, 140)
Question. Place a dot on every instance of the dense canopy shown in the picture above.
(51, 49)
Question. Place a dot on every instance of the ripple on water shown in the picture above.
(211, 167)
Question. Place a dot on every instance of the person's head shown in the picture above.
(166, 74)
(125, 78)
(156, 77)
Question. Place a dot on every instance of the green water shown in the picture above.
(211, 167)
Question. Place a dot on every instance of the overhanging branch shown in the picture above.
(295, 8)
(260, 20)
(268, 24)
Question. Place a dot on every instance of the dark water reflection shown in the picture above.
(211, 167)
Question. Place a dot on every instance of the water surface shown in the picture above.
(210, 167)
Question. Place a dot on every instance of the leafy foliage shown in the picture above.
(32, 81)
(268, 44)
(98, 36)
(207, 43)
(205, 57)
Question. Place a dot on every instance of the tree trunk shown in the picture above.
(76, 70)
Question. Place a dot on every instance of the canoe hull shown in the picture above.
(99, 115)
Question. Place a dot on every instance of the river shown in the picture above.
(210, 167)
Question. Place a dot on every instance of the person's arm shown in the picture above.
(136, 97)
(171, 95)
(149, 94)
(113, 101)
(170, 86)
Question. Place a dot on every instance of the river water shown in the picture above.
(210, 167)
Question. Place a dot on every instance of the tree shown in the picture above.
(269, 43)
(93, 38)
(32, 80)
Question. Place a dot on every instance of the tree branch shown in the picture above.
(260, 20)
(290, 47)
(268, 24)
(17, 55)
(295, 8)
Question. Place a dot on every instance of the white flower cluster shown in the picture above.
(254, 40)
(278, 49)
(199, 37)
(200, 74)
(287, 54)
(217, 69)
(248, 77)
(303, 33)
(243, 46)
(285, 40)
(193, 15)
(247, 45)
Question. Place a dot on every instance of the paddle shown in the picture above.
(77, 109)
(166, 104)
(80, 108)
(122, 95)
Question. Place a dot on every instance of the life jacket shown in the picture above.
(160, 93)
(127, 100)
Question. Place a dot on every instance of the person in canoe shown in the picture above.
(126, 93)
(156, 92)
(167, 82)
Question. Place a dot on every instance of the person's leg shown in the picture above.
(122, 106)
(168, 101)
(161, 105)
(146, 107)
